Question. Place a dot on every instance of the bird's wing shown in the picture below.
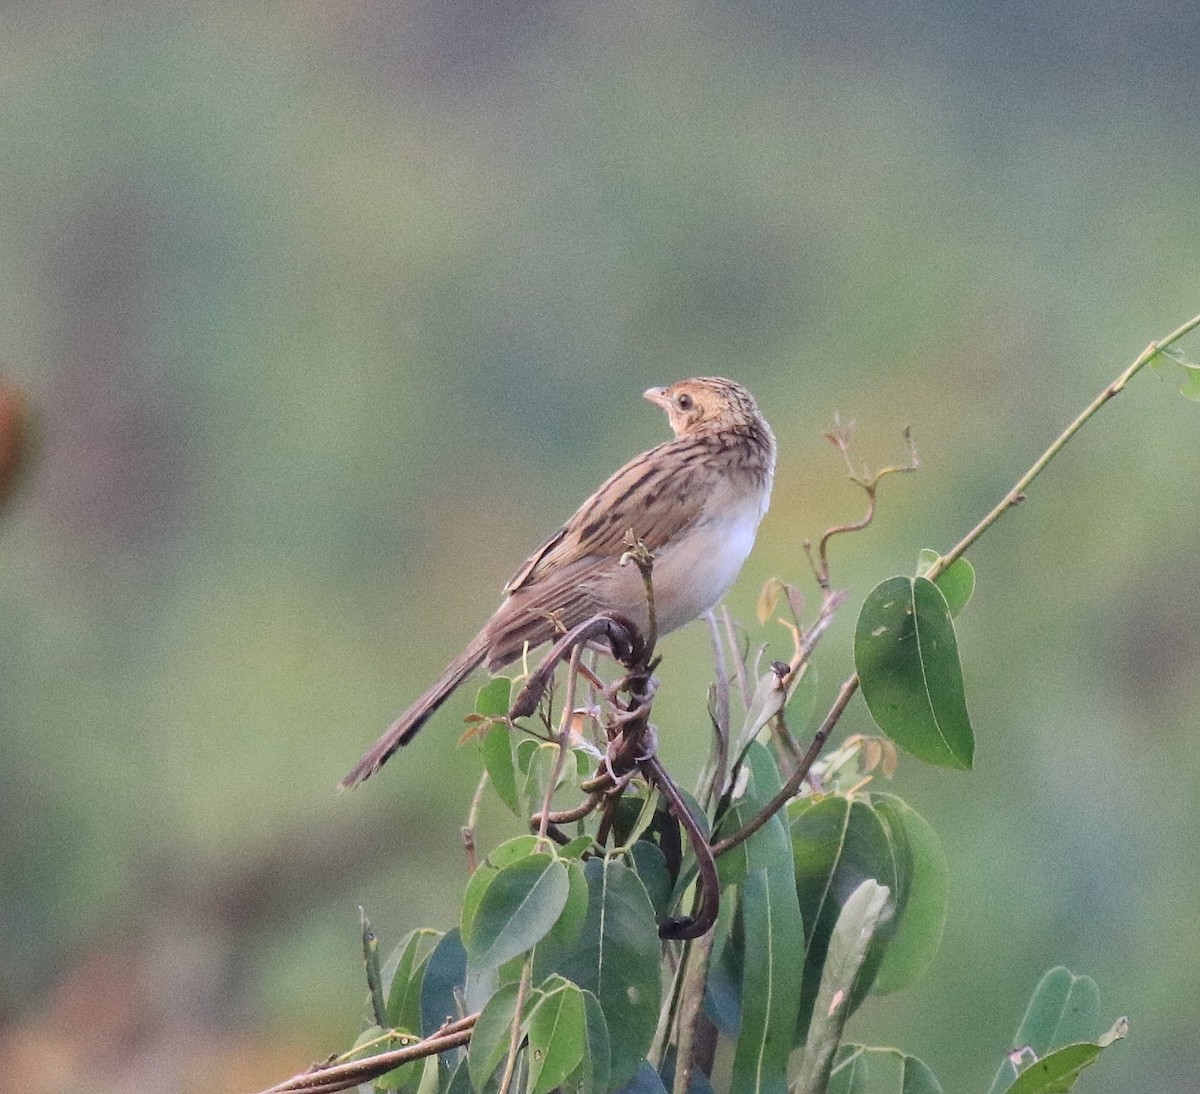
(654, 496)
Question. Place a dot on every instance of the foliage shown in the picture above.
(649, 939)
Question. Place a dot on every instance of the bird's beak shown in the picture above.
(658, 396)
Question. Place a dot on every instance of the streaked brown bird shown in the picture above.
(695, 501)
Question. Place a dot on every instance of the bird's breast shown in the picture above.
(695, 569)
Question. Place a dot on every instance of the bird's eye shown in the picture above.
(684, 402)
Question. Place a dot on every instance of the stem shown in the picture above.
(708, 885)
(514, 1043)
(564, 737)
(1017, 493)
(691, 1008)
(792, 787)
(468, 829)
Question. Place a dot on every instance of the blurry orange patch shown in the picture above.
(16, 439)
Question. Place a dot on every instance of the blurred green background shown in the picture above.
(333, 311)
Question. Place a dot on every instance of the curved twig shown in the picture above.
(620, 633)
(708, 895)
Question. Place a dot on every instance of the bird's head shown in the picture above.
(704, 402)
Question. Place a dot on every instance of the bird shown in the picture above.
(695, 501)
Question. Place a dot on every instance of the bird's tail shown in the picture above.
(404, 728)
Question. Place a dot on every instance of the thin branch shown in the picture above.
(839, 437)
(622, 636)
(643, 558)
(691, 1009)
(344, 1076)
(514, 1043)
(792, 787)
(1016, 494)
(468, 829)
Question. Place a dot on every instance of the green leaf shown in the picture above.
(651, 866)
(542, 762)
(1190, 388)
(517, 910)
(907, 660)
(443, 982)
(862, 915)
(491, 701)
(432, 1070)
(645, 1081)
(404, 993)
(616, 957)
(837, 844)
(557, 1036)
(957, 581)
(923, 881)
(492, 1035)
(561, 937)
(505, 854)
(634, 816)
(770, 988)
(723, 988)
(1064, 1008)
(577, 848)
(773, 931)
(495, 747)
(495, 743)
(861, 1070)
(460, 1080)
(592, 1076)
(1057, 1072)
(1058, 1036)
